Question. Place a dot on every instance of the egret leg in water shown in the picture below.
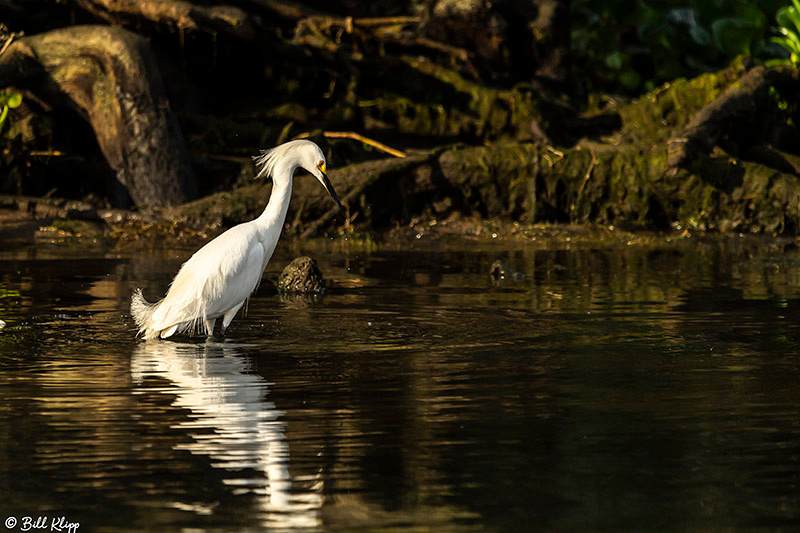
(217, 280)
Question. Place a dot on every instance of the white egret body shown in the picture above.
(217, 280)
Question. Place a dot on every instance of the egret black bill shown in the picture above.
(328, 187)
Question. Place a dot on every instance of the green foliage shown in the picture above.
(636, 45)
(8, 100)
(788, 18)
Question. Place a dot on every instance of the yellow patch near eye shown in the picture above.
(321, 166)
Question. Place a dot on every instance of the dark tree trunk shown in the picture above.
(551, 33)
(109, 76)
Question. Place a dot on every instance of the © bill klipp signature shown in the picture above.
(29, 523)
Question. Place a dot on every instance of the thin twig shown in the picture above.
(385, 21)
(358, 137)
(7, 44)
(46, 153)
(586, 177)
(413, 40)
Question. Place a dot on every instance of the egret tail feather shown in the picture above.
(142, 310)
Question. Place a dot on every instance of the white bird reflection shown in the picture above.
(231, 422)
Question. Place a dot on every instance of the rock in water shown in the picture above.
(502, 271)
(302, 275)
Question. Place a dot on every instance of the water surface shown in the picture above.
(626, 389)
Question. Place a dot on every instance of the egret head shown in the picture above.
(285, 158)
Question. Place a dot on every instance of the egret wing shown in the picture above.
(216, 275)
(239, 281)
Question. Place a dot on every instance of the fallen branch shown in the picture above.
(7, 43)
(740, 104)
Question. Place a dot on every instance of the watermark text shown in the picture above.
(59, 524)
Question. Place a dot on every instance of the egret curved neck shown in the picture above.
(275, 213)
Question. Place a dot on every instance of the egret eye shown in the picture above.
(321, 165)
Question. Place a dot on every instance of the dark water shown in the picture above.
(629, 389)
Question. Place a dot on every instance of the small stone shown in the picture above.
(302, 275)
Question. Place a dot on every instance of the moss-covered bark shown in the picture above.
(109, 76)
(534, 183)
(434, 101)
(742, 179)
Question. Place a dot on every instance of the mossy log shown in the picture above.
(741, 106)
(109, 76)
(626, 180)
(533, 183)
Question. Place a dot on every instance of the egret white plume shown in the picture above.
(267, 160)
(219, 278)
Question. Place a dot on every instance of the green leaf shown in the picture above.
(793, 14)
(14, 100)
(3, 115)
(630, 79)
(789, 17)
(646, 15)
(650, 32)
(783, 17)
(777, 63)
(686, 16)
(615, 60)
(750, 12)
(786, 45)
(733, 35)
(700, 35)
(789, 40)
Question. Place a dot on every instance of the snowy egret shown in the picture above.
(217, 280)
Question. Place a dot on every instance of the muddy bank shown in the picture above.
(123, 232)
